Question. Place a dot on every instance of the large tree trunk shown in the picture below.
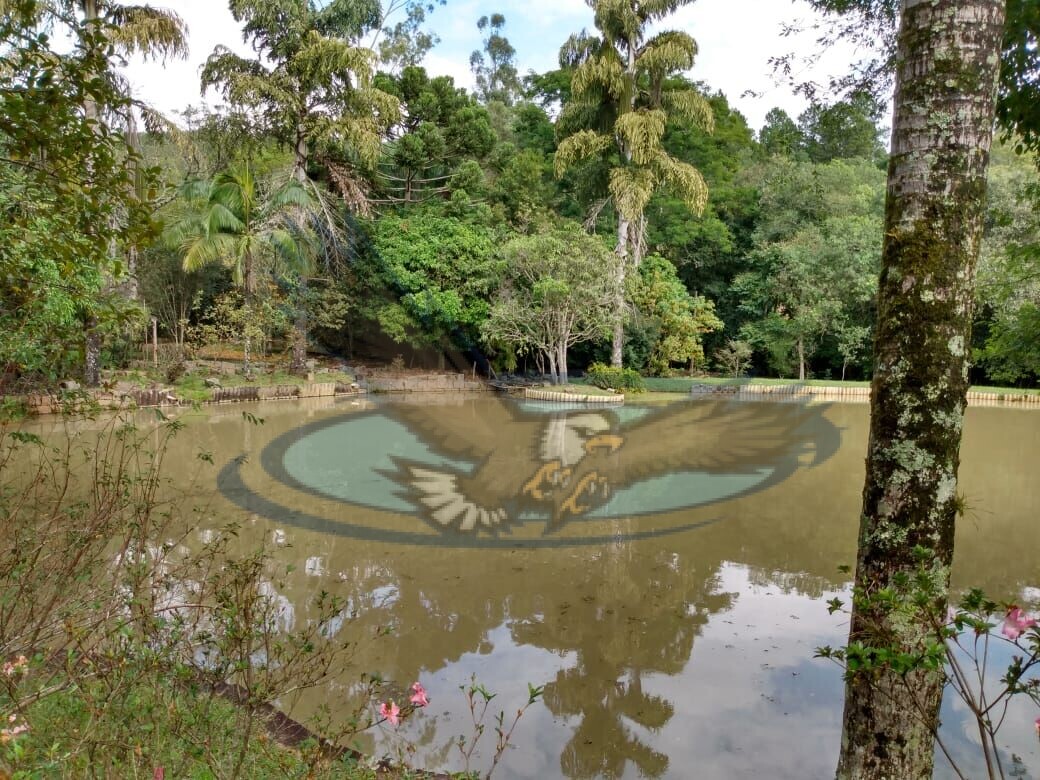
(801, 359)
(618, 342)
(301, 326)
(92, 353)
(92, 337)
(948, 58)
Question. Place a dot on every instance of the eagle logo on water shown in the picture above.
(479, 470)
(569, 465)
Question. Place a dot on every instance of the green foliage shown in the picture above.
(1009, 271)
(494, 68)
(444, 133)
(734, 357)
(443, 273)
(843, 130)
(311, 86)
(624, 380)
(67, 195)
(248, 226)
(678, 318)
(780, 135)
(622, 96)
(406, 43)
(558, 289)
(813, 270)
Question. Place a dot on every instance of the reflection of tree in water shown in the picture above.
(631, 620)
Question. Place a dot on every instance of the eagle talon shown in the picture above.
(551, 474)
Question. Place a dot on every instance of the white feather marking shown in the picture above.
(470, 518)
(439, 492)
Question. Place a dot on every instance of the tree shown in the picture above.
(1009, 270)
(440, 130)
(442, 272)
(623, 98)
(948, 60)
(780, 135)
(406, 43)
(847, 128)
(677, 318)
(66, 196)
(232, 221)
(313, 89)
(813, 268)
(127, 29)
(495, 68)
(558, 291)
(310, 83)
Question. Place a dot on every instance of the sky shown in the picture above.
(736, 38)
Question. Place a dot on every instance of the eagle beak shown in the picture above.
(606, 441)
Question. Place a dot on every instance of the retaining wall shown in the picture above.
(47, 404)
(572, 398)
(424, 383)
(848, 394)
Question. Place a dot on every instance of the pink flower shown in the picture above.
(419, 698)
(19, 665)
(6, 735)
(1016, 623)
(391, 712)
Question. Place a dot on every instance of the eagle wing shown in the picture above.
(712, 436)
(503, 443)
(471, 431)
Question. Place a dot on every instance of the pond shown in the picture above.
(660, 569)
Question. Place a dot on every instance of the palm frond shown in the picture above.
(642, 132)
(322, 59)
(631, 188)
(601, 72)
(667, 52)
(151, 32)
(690, 106)
(209, 249)
(580, 146)
(684, 180)
(221, 219)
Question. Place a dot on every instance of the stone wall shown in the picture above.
(424, 383)
(846, 394)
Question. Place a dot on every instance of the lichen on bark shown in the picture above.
(947, 68)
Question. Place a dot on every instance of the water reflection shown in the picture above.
(673, 624)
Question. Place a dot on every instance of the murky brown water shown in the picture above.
(661, 570)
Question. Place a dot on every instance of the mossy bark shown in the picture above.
(947, 67)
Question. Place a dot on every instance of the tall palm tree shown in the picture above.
(231, 220)
(623, 96)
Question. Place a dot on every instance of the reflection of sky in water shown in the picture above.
(750, 692)
(351, 460)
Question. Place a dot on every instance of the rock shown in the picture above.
(69, 384)
(213, 383)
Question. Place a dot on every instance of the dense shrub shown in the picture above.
(623, 379)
